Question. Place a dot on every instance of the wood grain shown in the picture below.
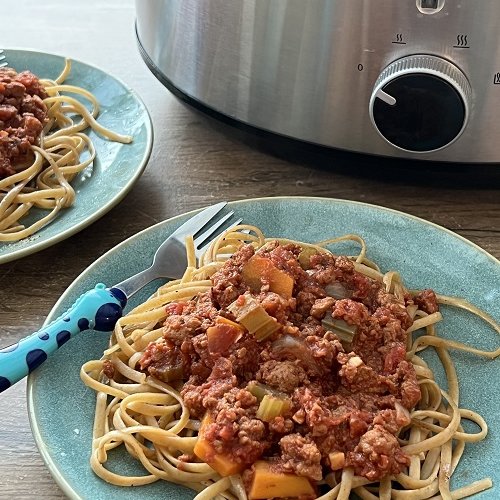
(195, 161)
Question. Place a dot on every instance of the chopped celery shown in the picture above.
(341, 328)
(260, 390)
(305, 257)
(253, 317)
(272, 406)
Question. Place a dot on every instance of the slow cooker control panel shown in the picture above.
(420, 103)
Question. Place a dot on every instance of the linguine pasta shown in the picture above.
(45, 181)
(150, 419)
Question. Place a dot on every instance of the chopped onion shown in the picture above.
(402, 414)
(295, 348)
(412, 310)
(337, 290)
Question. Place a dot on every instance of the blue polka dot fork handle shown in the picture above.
(99, 309)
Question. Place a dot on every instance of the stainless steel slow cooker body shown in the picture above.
(404, 78)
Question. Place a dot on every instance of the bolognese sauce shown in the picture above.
(294, 358)
(23, 115)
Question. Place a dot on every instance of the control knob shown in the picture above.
(420, 103)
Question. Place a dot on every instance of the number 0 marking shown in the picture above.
(360, 67)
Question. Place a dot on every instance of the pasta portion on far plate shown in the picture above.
(43, 146)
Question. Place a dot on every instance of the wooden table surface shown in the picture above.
(195, 162)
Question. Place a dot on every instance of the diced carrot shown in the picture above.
(260, 269)
(267, 483)
(222, 319)
(225, 465)
(223, 335)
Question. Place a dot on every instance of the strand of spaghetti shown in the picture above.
(121, 342)
(385, 488)
(118, 479)
(153, 410)
(346, 483)
(165, 464)
(39, 197)
(98, 429)
(333, 493)
(95, 384)
(27, 173)
(451, 373)
(190, 251)
(13, 216)
(216, 488)
(363, 493)
(191, 424)
(99, 457)
(87, 120)
(238, 487)
(140, 342)
(467, 306)
(368, 271)
(65, 72)
(110, 410)
(213, 250)
(346, 237)
(196, 467)
(151, 398)
(430, 467)
(177, 292)
(24, 233)
(155, 435)
(131, 388)
(414, 469)
(416, 494)
(425, 321)
(54, 90)
(445, 471)
(411, 483)
(451, 344)
(440, 438)
(461, 436)
(149, 404)
(469, 490)
(126, 371)
(184, 418)
(9, 198)
(69, 193)
(422, 372)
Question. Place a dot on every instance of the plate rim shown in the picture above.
(50, 464)
(111, 203)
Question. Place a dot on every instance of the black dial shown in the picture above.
(422, 109)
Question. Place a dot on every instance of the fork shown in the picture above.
(99, 309)
(3, 59)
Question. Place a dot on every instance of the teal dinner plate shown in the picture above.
(117, 166)
(61, 407)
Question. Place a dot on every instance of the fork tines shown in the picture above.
(202, 242)
(3, 59)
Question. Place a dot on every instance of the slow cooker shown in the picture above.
(415, 79)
